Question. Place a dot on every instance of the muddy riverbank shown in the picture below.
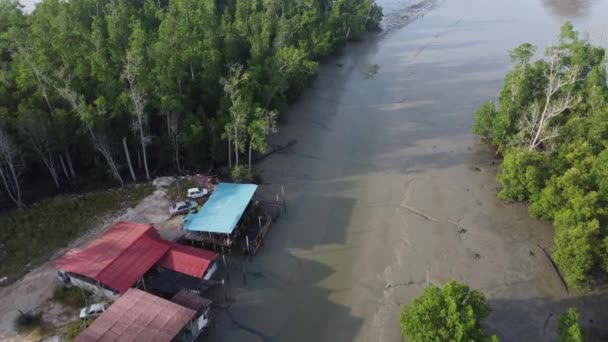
(386, 182)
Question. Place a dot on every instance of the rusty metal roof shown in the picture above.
(191, 300)
(138, 316)
(118, 258)
(188, 260)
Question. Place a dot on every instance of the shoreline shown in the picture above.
(386, 182)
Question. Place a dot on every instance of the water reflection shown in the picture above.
(568, 8)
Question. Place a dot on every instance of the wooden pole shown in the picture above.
(427, 277)
(260, 222)
(284, 202)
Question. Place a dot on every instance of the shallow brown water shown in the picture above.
(386, 182)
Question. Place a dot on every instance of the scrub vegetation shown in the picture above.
(30, 236)
(451, 313)
(121, 90)
(551, 126)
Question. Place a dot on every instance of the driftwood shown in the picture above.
(276, 149)
(555, 268)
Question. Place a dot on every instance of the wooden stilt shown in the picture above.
(284, 202)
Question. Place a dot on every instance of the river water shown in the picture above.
(386, 185)
(387, 189)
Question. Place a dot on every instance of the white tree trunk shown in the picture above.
(229, 152)
(236, 146)
(124, 144)
(69, 159)
(138, 98)
(250, 148)
(173, 133)
(10, 177)
(142, 140)
(102, 147)
(65, 169)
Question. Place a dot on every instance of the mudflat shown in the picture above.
(388, 190)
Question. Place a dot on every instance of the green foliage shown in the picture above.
(569, 329)
(483, 120)
(556, 158)
(241, 174)
(599, 172)
(75, 328)
(72, 297)
(32, 234)
(576, 249)
(453, 313)
(65, 62)
(522, 174)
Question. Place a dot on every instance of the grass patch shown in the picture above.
(31, 235)
(75, 328)
(72, 297)
(175, 193)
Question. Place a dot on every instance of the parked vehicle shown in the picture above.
(183, 207)
(64, 279)
(93, 310)
(197, 193)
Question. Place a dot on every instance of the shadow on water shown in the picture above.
(511, 319)
(276, 296)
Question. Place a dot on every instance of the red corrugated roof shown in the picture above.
(187, 260)
(138, 316)
(118, 258)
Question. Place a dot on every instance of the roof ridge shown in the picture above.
(124, 250)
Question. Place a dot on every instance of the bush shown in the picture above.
(569, 328)
(483, 120)
(175, 192)
(241, 174)
(453, 313)
(576, 251)
(522, 174)
(75, 328)
(72, 297)
(28, 321)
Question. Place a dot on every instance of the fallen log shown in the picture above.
(555, 268)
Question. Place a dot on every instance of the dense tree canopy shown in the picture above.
(89, 86)
(453, 313)
(551, 125)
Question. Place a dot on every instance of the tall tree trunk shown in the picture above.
(15, 185)
(50, 166)
(124, 144)
(69, 159)
(138, 159)
(250, 147)
(179, 168)
(101, 147)
(236, 147)
(65, 169)
(229, 152)
(143, 148)
(10, 189)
